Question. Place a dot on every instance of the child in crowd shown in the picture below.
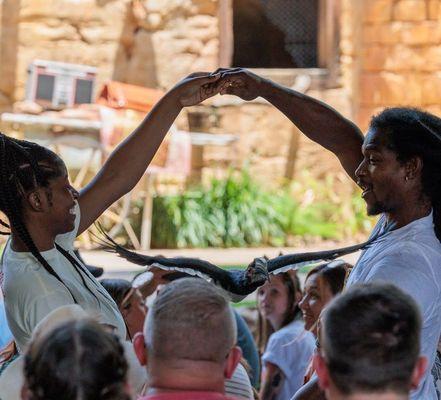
(78, 359)
(130, 303)
(286, 346)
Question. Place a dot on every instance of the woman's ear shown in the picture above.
(34, 201)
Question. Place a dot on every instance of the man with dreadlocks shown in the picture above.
(398, 167)
(45, 213)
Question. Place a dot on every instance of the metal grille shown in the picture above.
(275, 33)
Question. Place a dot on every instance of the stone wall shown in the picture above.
(155, 43)
(400, 59)
(144, 42)
(170, 39)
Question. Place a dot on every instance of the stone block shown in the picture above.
(84, 11)
(405, 58)
(432, 56)
(207, 7)
(431, 88)
(393, 58)
(375, 57)
(422, 33)
(378, 89)
(434, 9)
(99, 34)
(409, 10)
(386, 34)
(377, 11)
(38, 31)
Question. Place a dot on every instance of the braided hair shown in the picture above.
(25, 166)
(412, 133)
(78, 360)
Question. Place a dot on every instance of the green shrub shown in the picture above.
(238, 212)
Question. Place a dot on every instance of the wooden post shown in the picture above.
(147, 212)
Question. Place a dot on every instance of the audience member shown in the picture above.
(287, 348)
(188, 343)
(322, 283)
(370, 345)
(12, 380)
(77, 360)
(130, 303)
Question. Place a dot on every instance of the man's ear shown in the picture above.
(418, 372)
(231, 361)
(413, 166)
(322, 371)
(140, 348)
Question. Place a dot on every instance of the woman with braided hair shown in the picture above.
(77, 360)
(45, 214)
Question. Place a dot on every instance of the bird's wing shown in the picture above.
(295, 261)
(178, 265)
(295, 267)
(188, 271)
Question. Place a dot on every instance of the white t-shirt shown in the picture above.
(290, 349)
(31, 292)
(410, 258)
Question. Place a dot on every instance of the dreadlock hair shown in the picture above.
(78, 360)
(25, 166)
(264, 328)
(411, 132)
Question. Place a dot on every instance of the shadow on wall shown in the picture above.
(10, 10)
(135, 57)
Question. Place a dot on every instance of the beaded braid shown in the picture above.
(12, 206)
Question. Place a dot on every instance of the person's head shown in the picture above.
(322, 283)
(370, 343)
(129, 301)
(35, 186)
(189, 337)
(277, 303)
(77, 360)
(402, 162)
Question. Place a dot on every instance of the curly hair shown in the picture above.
(78, 360)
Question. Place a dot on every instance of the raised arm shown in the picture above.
(315, 119)
(129, 160)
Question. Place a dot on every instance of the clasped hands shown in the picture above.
(200, 86)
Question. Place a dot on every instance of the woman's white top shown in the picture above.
(290, 349)
(30, 292)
